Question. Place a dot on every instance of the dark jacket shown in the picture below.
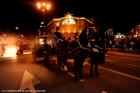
(58, 35)
(62, 48)
(83, 38)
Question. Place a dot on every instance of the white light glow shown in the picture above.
(41, 41)
(10, 51)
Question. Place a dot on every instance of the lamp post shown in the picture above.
(43, 6)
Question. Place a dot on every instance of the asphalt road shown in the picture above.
(120, 74)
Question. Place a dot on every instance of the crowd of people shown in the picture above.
(123, 44)
(87, 45)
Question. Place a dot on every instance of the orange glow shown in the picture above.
(41, 41)
(43, 6)
(43, 10)
(48, 6)
(57, 24)
(38, 5)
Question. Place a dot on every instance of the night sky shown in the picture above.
(122, 16)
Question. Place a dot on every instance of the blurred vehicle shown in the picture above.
(11, 45)
(9, 49)
(44, 47)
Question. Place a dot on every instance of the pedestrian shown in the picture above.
(79, 55)
(97, 51)
(132, 44)
(93, 60)
(58, 34)
(73, 45)
(62, 54)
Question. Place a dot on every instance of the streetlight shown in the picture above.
(17, 30)
(16, 27)
(43, 6)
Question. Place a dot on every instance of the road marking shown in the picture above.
(121, 53)
(117, 72)
(111, 61)
(124, 57)
(87, 63)
(29, 81)
(134, 65)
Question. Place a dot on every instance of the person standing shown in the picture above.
(96, 53)
(62, 53)
(80, 54)
(58, 34)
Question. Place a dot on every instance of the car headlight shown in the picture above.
(41, 41)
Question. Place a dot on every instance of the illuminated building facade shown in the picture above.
(69, 25)
(135, 32)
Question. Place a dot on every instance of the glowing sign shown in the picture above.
(68, 21)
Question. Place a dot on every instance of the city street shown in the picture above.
(120, 74)
(33, 33)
